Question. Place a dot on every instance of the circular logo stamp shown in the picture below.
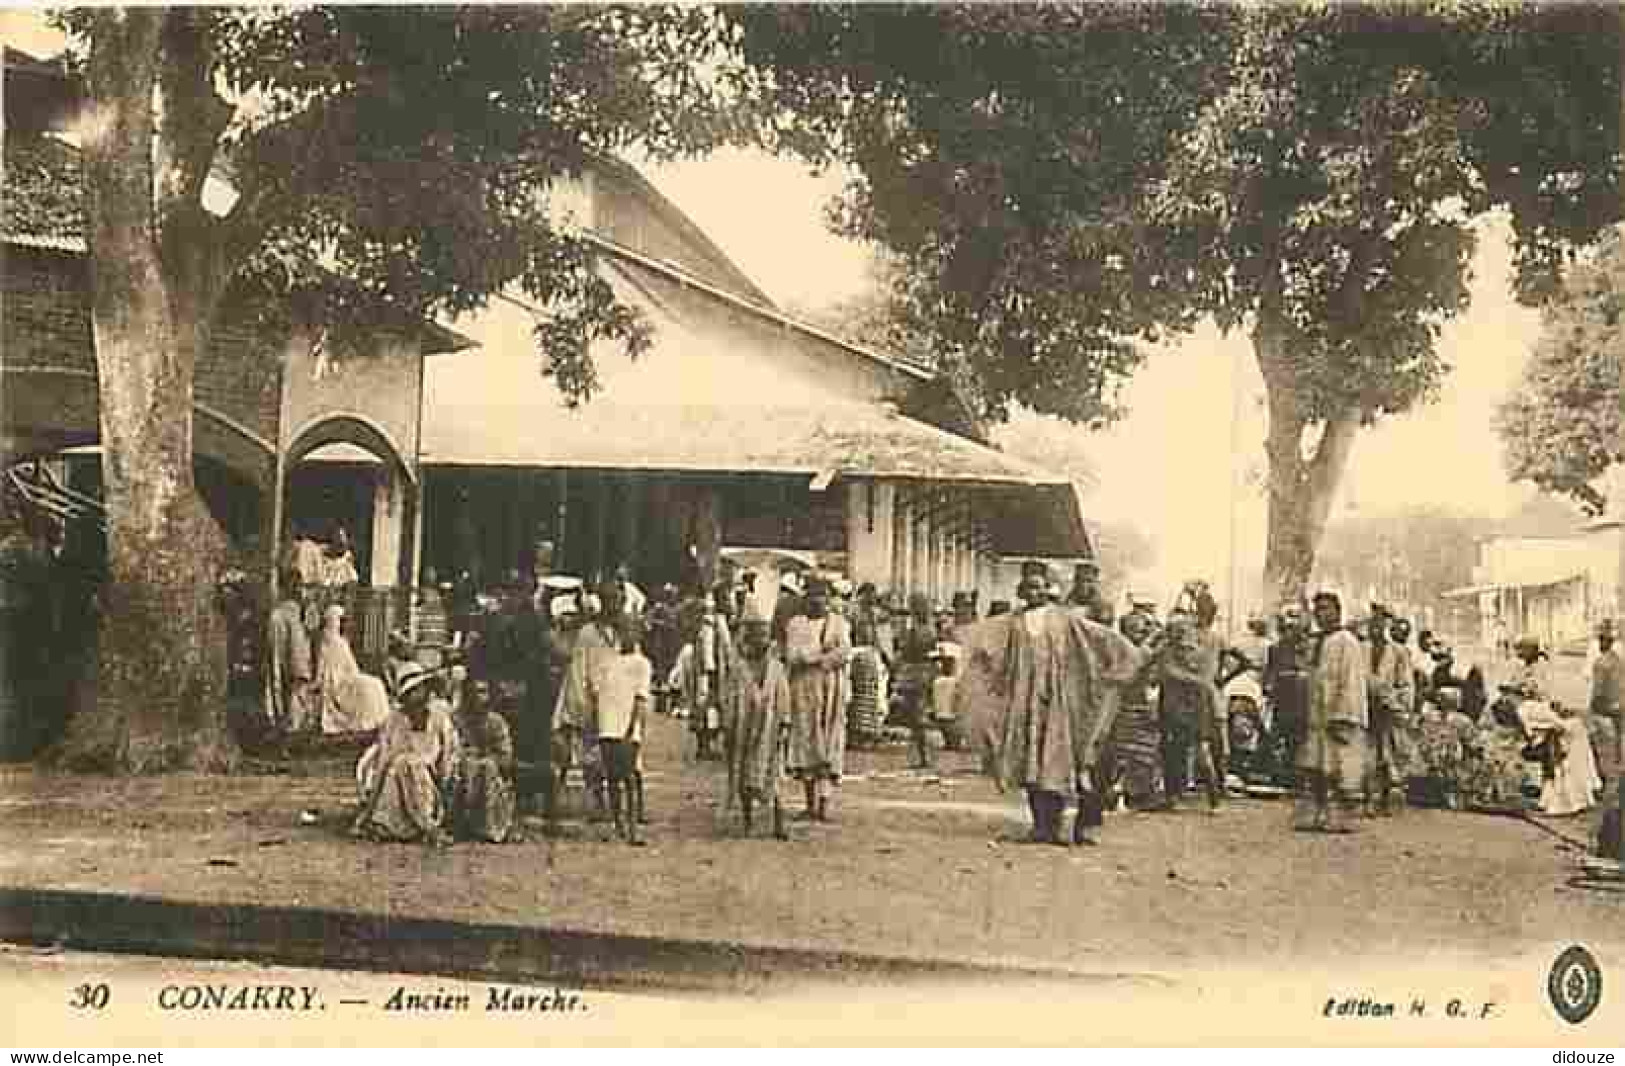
(1574, 985)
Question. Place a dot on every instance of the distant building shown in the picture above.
(1545, 572)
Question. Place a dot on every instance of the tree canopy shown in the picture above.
(1561, 427)
(1062, 179)
(385, 165)
(391, 164)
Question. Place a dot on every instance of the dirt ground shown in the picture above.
(915, 864)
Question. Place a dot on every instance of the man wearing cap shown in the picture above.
(1331, 761)
(1057, 679)
(817, 648)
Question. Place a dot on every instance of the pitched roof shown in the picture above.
(850, 438)
(726, 273)
(672, 273)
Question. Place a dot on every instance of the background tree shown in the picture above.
(1058, 179)
(1561, 428)
(389, 165)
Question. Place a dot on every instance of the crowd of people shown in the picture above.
(481, 715)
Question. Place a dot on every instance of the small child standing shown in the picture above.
(622, 697)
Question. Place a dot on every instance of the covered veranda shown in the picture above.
(881, 497)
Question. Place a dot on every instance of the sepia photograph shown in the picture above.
(981, 524)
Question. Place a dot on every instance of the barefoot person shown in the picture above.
(818, 644)
(760, 714)
(406, 778)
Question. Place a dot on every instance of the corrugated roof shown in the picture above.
(854, 439)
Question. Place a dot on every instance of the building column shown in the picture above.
(933, 534)
(905, 542)
(388, 528)
(869, 507)
(628, 544)
(708, 533)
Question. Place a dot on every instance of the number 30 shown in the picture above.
(91, 997)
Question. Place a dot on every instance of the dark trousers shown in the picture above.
(1091, 810)
(536, 743)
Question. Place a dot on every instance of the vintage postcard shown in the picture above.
(1085, 524)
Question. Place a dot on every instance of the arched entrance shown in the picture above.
(345, 471)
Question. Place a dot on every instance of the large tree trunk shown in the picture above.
(1301, 487)
(161, 650)
(1616, 504)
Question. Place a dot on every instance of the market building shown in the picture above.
(742, 428)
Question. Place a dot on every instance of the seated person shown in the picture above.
(350, 701)
(1445, 742)
(1495, 769)
(406, 778)
(484, 802)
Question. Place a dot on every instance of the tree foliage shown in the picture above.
(1562, 427)
(386, 165)
(1060, 179)
(392, 164)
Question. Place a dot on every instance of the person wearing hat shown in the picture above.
(1060, 674)
(759, 708)
(817, 648)
(1331, 761)
(407, 777)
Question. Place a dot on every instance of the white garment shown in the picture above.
(1574, 783)
(622, 680)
